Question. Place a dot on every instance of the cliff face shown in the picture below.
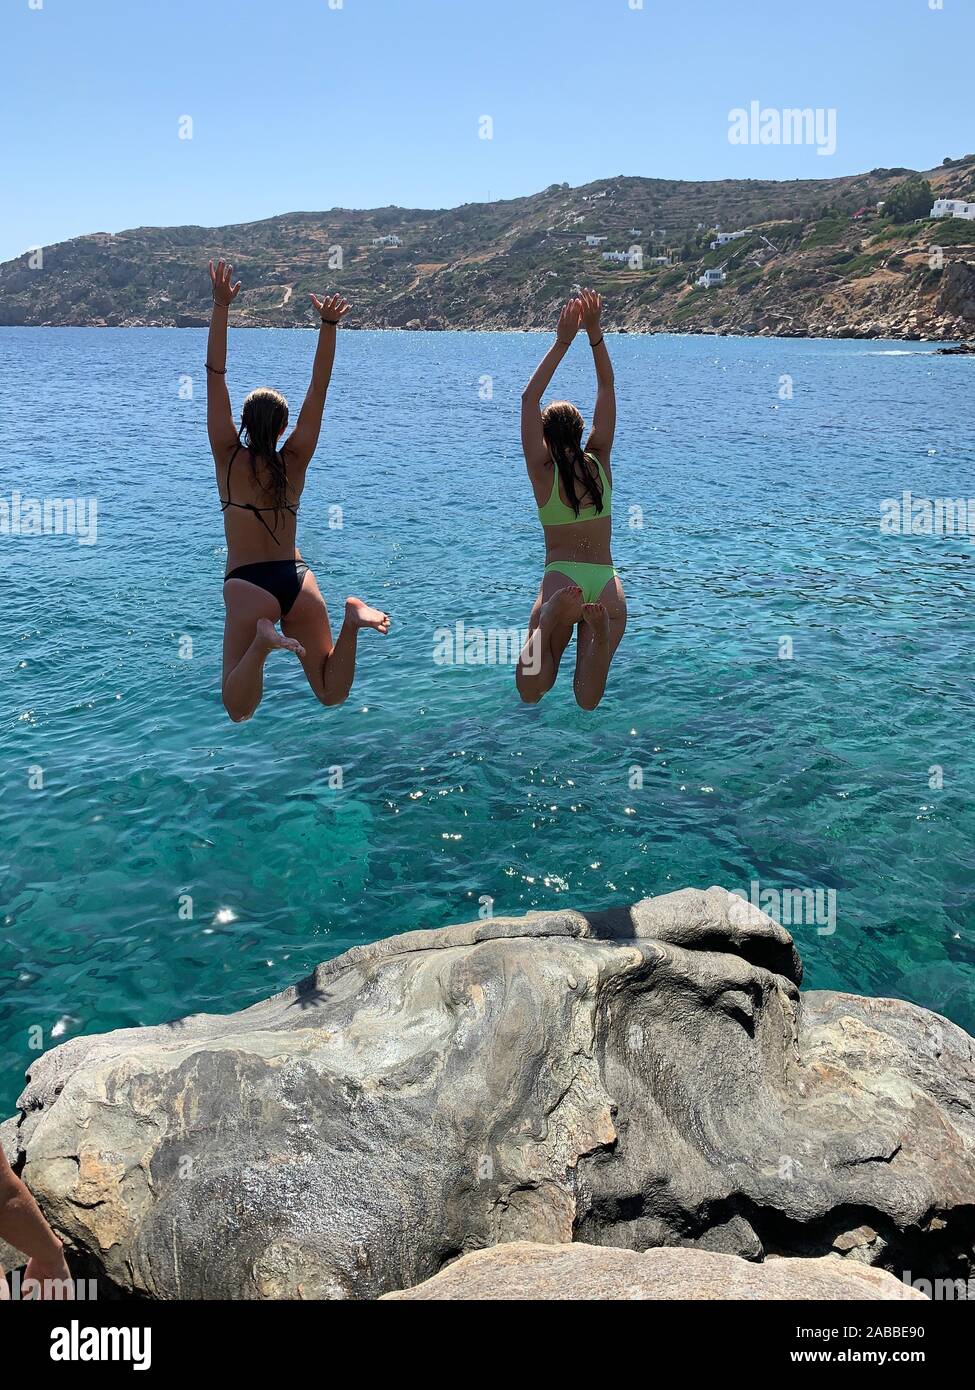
(819, 260)
(634, 1078)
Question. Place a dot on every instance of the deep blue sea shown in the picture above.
(760, 522)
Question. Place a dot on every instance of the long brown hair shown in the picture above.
(562, 426)
(264, 417)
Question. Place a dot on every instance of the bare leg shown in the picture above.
(329, 666)
(243, 689)
(249, 635)
(550, 631)
(600, 633)
(338, 670)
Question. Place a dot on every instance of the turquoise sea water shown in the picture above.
(761, 521)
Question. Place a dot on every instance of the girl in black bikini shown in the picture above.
(267, 580)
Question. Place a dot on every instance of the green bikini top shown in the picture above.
(557, 513)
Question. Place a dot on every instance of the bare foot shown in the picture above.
(598, 619)
(565, 606)
(359, 614)
(268, 633)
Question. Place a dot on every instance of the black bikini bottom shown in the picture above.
(282, 579)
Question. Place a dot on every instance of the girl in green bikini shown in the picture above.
(574, 493)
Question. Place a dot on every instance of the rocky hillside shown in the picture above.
(820, 258)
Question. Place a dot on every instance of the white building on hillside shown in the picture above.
(710, 278)
(953, 207)
(595, 240)
(391, 240)
(723, 238)
(618, 256)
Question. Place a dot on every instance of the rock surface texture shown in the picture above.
(525, 1271)
(631, 1078)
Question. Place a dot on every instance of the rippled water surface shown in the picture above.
(760, 522)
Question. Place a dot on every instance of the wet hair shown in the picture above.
(562, 426)
(264, 417)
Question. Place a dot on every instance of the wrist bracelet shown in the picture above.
(562, 341)
(217, 371)
(596, 345)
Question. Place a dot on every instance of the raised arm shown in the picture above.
(303, 440)
(220, 418)
(532, 439)
(23, 1227)
(603, 430)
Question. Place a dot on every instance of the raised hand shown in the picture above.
(223, 291)
(332, 309)
(591, 308)
(49, 1279)
(569, 321)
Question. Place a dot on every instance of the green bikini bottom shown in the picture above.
(591, 579)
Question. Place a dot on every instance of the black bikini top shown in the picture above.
(249, 506)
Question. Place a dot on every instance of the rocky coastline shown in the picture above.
(635, 1080)
(800, 258)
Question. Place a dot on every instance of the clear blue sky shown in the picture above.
(300, 106)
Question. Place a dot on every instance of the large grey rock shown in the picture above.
(633, 1078)
(525, 1271)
